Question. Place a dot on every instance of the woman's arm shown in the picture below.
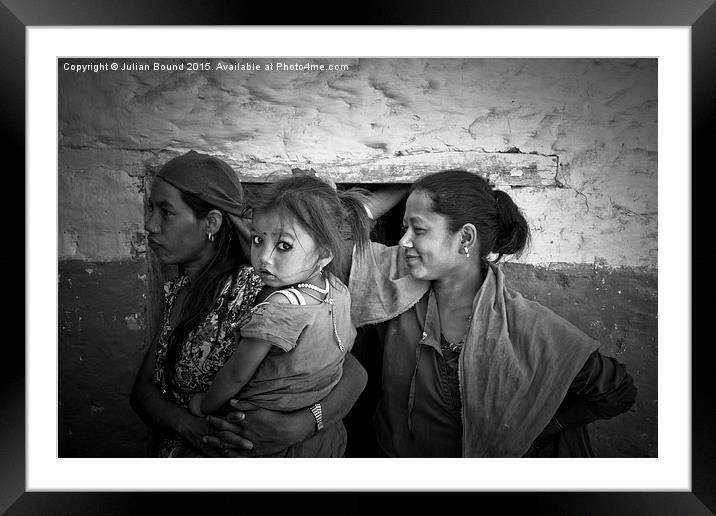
(383, 199)
(379, 201)
(233, 376)
(156, 411)
(601, 390)
(376, 204)
(262, 431)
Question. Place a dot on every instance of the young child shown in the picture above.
(289, 355)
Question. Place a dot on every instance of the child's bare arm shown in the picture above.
(235, 373)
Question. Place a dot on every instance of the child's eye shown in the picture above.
(166, 212)
(256, 240)
(284, 246)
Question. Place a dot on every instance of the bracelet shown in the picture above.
(318, 415)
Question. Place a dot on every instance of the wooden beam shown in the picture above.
(501, 169)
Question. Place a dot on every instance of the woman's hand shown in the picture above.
(193, 429)
(158, 412)
(252, 431)
(195, 404)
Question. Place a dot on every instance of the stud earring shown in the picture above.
(467, 251)
(210, 236)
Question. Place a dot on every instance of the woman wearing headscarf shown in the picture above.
(194, 222)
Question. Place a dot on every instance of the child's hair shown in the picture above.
(464, 197)
(331, 216)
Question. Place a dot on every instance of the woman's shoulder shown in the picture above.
(337, 285)
(172, 285)
(246, 284)
(513, 298)
(381, 286)
(530, 318)
(517, 301)
(245, 276)
(381, 263)
(247, 273)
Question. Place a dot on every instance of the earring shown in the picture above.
(210, 236)
(467, 251)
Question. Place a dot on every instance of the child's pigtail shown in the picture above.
(356, 219)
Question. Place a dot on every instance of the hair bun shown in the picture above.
(513, 235)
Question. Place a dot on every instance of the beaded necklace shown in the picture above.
(326, 299)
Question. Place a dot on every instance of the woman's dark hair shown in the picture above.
(464, 197)
(207, 285)
(330, 216)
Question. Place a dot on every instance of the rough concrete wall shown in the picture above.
(598, 116)
(580, 134)
(101, 332)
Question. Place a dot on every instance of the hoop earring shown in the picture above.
(467, 251)
(210, 236)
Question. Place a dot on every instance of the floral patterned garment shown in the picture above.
(202, 355)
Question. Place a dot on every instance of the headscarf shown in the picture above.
(208, 178)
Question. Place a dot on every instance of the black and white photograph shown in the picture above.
(473, 243)
(455, 259)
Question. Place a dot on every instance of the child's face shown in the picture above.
(282, 252)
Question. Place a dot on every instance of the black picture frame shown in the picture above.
(17, 15)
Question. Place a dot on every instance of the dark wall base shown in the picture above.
(102, 339)
(101, 345)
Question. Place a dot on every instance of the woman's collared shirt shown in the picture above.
(419, 414)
